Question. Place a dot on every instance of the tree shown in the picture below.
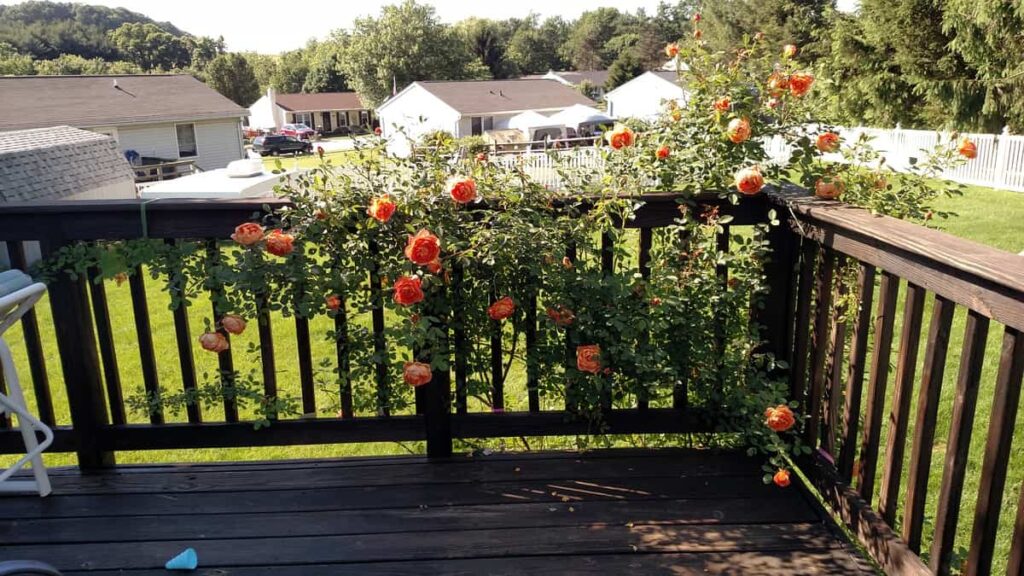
(535, 48)
(150, 47)
(264, 66)
(324, 58)
(203, 49)
(800, 22)
(14, 64)
(231, 75)
(406, 43)
(72, 64)
(627, 66)
(488, 40)
(587, 47)
(291, 71)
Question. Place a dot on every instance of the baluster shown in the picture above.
(497, 377)
(959, 444)
(819, 352)
(303, 349)
(461, 343)
(225, 360)
(899, 415)
(778, 311)
(144, 339)
(532, 367)
(801, 345)
(680, 392)
(379, 347)
(1016, 563)
(644, 260)
(344, 360)
(877, 383)
(855, 373)
(267, 360)
(34, 347)
(837, 343)
(607, 270)
(5, 419)
(570, 340)
(436, 395)
(927, 413)
(997, 454)
(108, 354)
(176, 288)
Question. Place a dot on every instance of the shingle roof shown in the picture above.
(53, 163)
(492, 96)
(322, 101)
(88, 101)
(574, 77)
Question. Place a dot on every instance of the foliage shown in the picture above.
(231, 75)
(70, 64)
(325, 73)
(150, 47)
(799, 22)
(14, 64)
(590, 45)
(534, 47)
(626, 67)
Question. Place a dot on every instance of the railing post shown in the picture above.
(436, 400)
(777, 315)
(76, 342)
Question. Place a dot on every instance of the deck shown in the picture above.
(604, 512)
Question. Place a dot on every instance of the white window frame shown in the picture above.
(195, 138)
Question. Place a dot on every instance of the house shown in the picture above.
(468, 108)
(595, 80)
(156, 118)
(645, 96)
(327, 112)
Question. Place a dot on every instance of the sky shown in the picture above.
(272, 26)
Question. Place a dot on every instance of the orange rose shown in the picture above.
(738, 130)
(333, 302)
(662, 152)
(778, 84)
(672, 50)
(320, 214)
(800, 83)
(698, 34)
(588, 358)
(620, 137)
(779, 418)
(248, 234)
(566, 263)
(749, 181)
(781, 478)
(968, 149)
(481, 157)
(772, 103)
(417, 373)
(434, 266)
(677, 114)
(501, 309)
(723, 104)
(423, 248)
(381, 208)
(377, 131)
(462, 190)
(759, 36)
(828, 188)
(696, 17)
(279, 243)
(408, 291)
(120, 278)
(233, 324)
(789, 50)
(827, 142)
(561, 316)
(320, 151)
(214, 342)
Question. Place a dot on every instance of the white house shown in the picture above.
(468, 108)
(326, 112)
(645, 96)
(155, 118)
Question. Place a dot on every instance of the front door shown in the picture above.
(326, 117)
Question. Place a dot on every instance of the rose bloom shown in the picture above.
(279, 243)
(333, 302)
(662, 152)
(759, 36)
(677, 114)
(827, 142)
(698, 34)
(481, 157)
(789, 50)
(968, 149)
(434, 267)
(696, 17)
(749, 181)
(248, 234)
(588, 358)
(828, 188)
(781, 478)
(671, 50)
(233, 323)
(772, 103)
(423, 248)
(620, 137)
(561, 316)
(381, 208)
(214, 342)
(778, 84)
(408, 291)
(377, 131)
(416, 373)
(723, 104)
(779, 418)
(462, 190)
(738, 130)
(800, 83)
(320, 151)
(501, 309)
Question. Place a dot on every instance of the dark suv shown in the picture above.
(276, 144)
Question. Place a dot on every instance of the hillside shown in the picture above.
(45, 30)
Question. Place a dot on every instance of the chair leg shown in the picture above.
(28, 425)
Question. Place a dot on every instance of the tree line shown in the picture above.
(921, 63)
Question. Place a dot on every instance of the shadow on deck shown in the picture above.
(605, 512)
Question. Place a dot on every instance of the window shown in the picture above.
(364, 117)
(187, 141)
(342, 118)
(489, 123)
(475, 126)
(303, 118)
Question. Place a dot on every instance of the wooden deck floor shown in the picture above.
(608, 512)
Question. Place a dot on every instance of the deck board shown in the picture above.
(614, 511)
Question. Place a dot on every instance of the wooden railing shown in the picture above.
(822, 252)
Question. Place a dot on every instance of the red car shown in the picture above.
(300, 131)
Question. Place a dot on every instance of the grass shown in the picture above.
(307, 160)
(987, 216)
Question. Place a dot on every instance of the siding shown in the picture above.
(416, 112)
(642, 97)
(218, 142)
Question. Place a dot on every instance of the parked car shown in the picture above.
(300, 131)
(278, 144)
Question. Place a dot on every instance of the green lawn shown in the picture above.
(987, 216)
(307, 160)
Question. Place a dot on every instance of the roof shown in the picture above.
(574, 77)
(322, 101)
(110, 100)
(579, 114)
(531, 119)
(54, 163)
(670, 76)
(493, 96)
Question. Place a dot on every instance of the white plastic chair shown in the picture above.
(18, 294)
